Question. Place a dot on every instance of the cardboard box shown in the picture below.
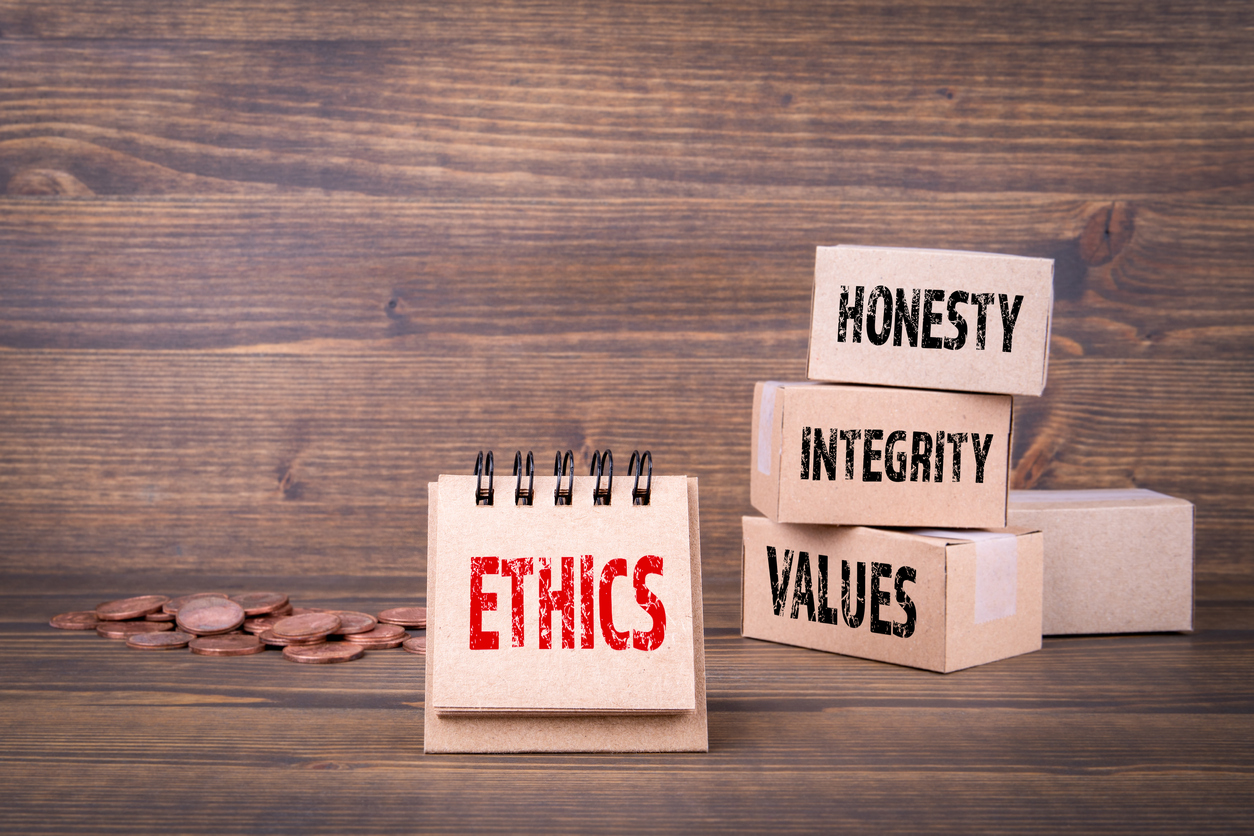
(940, 600)
(1116, 561)
(931, 319)
(869, 455)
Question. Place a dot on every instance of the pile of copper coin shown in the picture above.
(215, 624)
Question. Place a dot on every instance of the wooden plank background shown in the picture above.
(266, 269)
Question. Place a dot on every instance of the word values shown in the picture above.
(810, 590)
(595, 602)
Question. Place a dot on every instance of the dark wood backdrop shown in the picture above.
(267, 268)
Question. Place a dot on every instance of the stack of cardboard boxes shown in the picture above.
(885, 485)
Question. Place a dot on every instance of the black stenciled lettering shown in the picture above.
(825, 455)
(802, 593)
(1008, 317)
(870, 456)
(849, 313)
(906, 319)
(958, 297)
(805, 452)
(779, 583)
(981, 454)
(827, 615)
(905, 575)
(981, 302)
(849, 437)
(880, 599)
(881, 300)
(940, 456)
(926, 340)
(854, 618)
(895, 462)
(956, 440)
(921, 455)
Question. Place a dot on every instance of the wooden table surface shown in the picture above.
(266, 269)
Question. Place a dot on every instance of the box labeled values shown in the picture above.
(870, 455)
(939, 600)
(569, 626)
(931, 319)
(1116, 561)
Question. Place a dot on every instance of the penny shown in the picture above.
(268, 637)
(172, 606)
(167, 640)
(261, 623)
(126, 629)
(323, 654)
(206, 616)
(128, 608)
(307, 626)
(405, 616)
(355, 622)
(75, 620)
(384, 632)
(418, 644)
(307, 610)
(159, 616)
(383, 644)
(240, 644)
(260, 603)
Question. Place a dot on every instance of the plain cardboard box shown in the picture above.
(942, 601)
(871, 455)
(932, 319)
(1116, 561)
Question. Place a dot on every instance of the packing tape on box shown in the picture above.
(1116, 495)
(766, 420)
(996, 570)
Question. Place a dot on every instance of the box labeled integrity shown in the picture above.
(1116, 561)
(870, 455)
(939, 600)
(931, 319)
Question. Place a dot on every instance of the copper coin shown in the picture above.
(172, 606)
(261, 623)
(384, 632)
(167, 640)
(418, 644)
(383, 644)
(238, 644)
(307, 610)
(206, 616)
(307, 626)
(268, 637)
(405, 616)
(159, 616)
(128, 608)
(75, 621)
(126, 629)
(260, 603)
(355, 622)
(322, 654)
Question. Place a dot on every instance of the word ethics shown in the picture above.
(562, 602)
(887, 314)
(918, 456)
(852, 609)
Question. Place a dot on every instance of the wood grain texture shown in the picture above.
(266, 269)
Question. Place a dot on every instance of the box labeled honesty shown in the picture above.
(1116, 561)
(931, 319)
(939, 600)
(870, 455)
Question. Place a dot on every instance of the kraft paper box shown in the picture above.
(870, 455)
(932, 319)
(493, 681)
(939, 600)
(1116, 561)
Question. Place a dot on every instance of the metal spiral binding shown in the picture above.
(482, 496)
(528, 496)
(562, 466)
(602, 463)
(641, 496)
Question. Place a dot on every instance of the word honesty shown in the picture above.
(821, 457)
(817, 609)
(563, 601)
(907, 324)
